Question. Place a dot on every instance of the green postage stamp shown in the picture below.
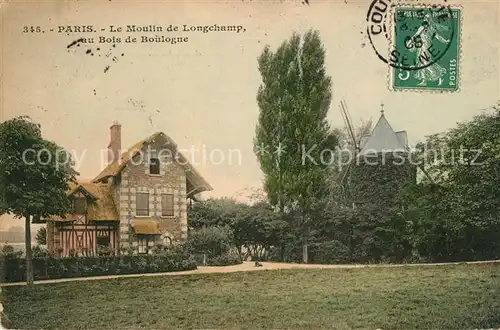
(425, 51)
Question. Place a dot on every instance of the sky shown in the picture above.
(202, 93)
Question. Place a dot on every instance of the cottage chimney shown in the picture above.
(115, 143)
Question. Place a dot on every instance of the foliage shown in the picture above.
(8, 251)
(39, 252)
(378, 181)
(212, 212)
(360, 235)
(257, 228)
(344, 159)
(41, 236)
(31, 186)
(34, 176)
(330, 252)
(364, 234)
(254, 228)
(452, 216)
(213, 246)
(227, 259)
(212, 241)
(47, 266)
(293, 133)
(456, 217)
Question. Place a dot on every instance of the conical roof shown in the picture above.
(383, 139)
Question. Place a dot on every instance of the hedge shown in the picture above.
(51, 267)
(226, 259)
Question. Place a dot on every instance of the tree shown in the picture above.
(41, 236)
(212, 241)
(256, 228)
(456, 216)
(34, 177)
(294, 142)
(212, 212)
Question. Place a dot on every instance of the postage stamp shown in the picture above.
(425, 47)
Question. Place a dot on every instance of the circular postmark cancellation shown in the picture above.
(419, 36)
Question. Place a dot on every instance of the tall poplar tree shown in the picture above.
(294, 142)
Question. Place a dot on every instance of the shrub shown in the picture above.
(213, 246)
(9, 252)
(226, 259)
(331, 252)
(40, 252)
(211, 241)
(41, 236)
(47, 266)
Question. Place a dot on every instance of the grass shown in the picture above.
(437, 297)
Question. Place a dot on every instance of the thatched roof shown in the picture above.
(101, 205)
(146, 227)
(196, 180)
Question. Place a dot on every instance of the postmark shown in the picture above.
(426, 48)
(419, 43)
(377, 28)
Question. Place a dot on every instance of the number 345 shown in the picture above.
(32, 29)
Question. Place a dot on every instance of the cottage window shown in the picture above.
(103, 241)
(154, 166)
(167, 205)
(142, 204)
(142, 245)
(79, 205)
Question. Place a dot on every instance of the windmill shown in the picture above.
(383, 137)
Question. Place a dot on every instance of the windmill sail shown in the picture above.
(347, 120)
(350, 131)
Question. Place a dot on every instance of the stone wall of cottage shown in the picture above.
(135, 178)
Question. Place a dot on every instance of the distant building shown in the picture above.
(382, 167)
(383, 139)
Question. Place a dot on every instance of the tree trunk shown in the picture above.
(29, 254)
(351, 233)
(240, 253)
(282, 252)
(305, 233)
(305, 256)
(305, 247)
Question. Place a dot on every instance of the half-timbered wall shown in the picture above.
(82, 237)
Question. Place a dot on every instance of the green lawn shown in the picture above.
(444, 297)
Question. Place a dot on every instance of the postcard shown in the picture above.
(154, 123)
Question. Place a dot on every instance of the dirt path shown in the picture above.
(244, 267)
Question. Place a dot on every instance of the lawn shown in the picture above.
(444, 297)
